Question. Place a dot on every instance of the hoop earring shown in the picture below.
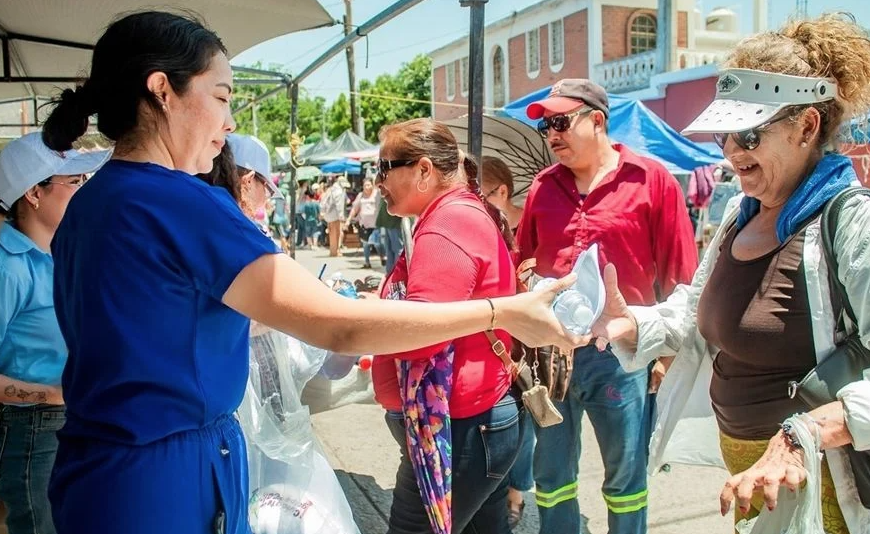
(422, 182)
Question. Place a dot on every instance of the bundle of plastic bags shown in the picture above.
(798, 511)
(293, 488)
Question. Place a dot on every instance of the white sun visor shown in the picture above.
(748, 98)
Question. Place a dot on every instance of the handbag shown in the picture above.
(850, 358)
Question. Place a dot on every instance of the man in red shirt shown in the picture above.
(602, 193)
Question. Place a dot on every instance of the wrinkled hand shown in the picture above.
(529, 317)
(780, 464)
(616, 324)
(658, 372)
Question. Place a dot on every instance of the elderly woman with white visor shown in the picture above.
(760, 314)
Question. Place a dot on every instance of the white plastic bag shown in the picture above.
(579, 306)
(293, 488)
(798, 512)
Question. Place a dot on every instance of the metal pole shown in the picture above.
(294, 111)
(388, 14)
(665, 35)
(475, 73)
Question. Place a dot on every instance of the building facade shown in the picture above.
(612, 42)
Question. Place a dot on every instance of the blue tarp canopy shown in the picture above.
(636, 126)
(350, 166)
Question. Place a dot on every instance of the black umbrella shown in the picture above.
(519, 145)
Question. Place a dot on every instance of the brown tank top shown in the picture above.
(757, 313)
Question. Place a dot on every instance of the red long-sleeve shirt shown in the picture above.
(458, 255)
(637, 215)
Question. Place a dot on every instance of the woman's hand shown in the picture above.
(616, 324)
(780, 464)
(529, 317)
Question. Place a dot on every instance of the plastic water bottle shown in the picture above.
(572, 308)
(337, 366)
(574, 311)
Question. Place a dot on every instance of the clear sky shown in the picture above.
(434, 23)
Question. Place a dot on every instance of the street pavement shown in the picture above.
(365, 457)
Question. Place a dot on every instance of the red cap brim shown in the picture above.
(554, 104)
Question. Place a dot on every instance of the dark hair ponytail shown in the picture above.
(132, 48)
(69, 119)
(470, 168)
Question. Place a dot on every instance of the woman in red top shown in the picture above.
(459, 253)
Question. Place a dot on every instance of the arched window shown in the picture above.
(642, 35)
(498, 96)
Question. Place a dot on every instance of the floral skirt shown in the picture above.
(741, 454)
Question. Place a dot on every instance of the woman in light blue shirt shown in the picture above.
(36, 184)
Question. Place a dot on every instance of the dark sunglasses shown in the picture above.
(747, 139)
(386, 165)
(560, 122)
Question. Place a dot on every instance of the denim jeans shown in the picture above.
(392, 245)
(369, 239)
(484, 449)
(618, 406)
(300, 230)
(521, 476)
(28, 444)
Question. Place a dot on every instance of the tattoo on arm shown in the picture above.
(24, 395)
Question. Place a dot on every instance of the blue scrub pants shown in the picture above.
(192, 482)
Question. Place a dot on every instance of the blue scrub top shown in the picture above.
(143, 257)
(32, 348)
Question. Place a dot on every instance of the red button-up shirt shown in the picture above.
(637, 215)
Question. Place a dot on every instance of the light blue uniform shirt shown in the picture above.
(32, 348)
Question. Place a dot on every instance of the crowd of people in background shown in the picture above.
(126, 321)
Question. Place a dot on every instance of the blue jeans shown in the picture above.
(484, 448)
(618, 406)
(29, 444)
(300, 230)
(392, 245)
(370, 238)
(521, 476)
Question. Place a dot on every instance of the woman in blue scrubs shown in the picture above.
(157, 275)
(36, 184)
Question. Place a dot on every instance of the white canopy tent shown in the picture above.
(46, 44)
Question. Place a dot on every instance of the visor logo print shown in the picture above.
(727, 84)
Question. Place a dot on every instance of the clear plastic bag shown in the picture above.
(799, 511)
(293, 489)
(579, 306)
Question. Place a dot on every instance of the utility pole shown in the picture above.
(351, 69)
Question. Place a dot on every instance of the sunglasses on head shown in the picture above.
(386, 165)
(748, 139)
(560, 122)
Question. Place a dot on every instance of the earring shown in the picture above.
(36, 206)
(803, 144)
(422, 182)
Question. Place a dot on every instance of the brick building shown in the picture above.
(610, 41)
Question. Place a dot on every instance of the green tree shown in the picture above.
(339, 116)
(393, 98)
(273, 114)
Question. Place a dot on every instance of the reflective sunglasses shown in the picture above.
(386, 165)
(747, 139)
(560, 122)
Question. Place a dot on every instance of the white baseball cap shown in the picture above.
(747, 98)
(252, 154)
(26, 161)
